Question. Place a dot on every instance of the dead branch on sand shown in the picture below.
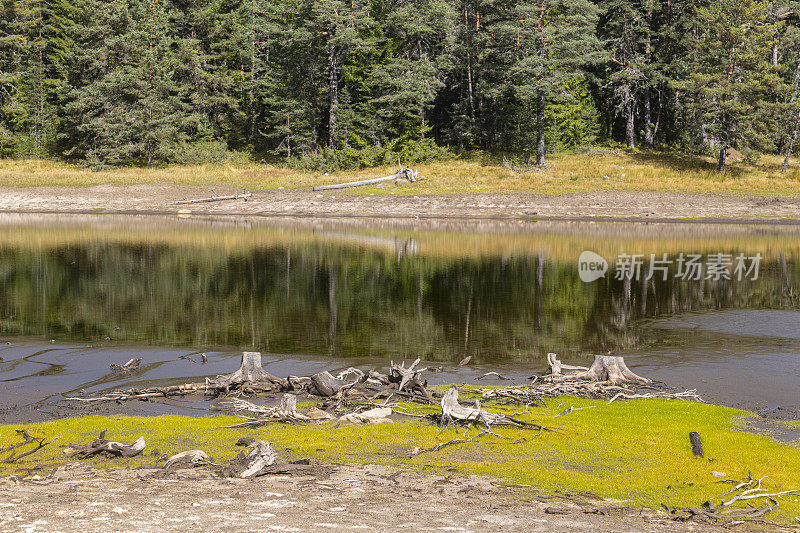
(28, 439)
(743, 492)
(101, 445)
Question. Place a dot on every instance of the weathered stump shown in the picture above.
(261, 455)
(606, 368)
(250, 373)
(325, 384)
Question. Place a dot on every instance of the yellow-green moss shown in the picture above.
(636, 451)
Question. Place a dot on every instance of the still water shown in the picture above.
(79, 292)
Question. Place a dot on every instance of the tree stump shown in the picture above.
(326, 384)
(250, 373)
(605, 368)
(261, 455)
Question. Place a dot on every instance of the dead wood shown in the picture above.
(325, 384)
(251, 378)
(408, 378)
(605, 368)
(285, 411)
(192, 457)
(101, 445)
(697, 445)
(28, 439)
(744, 492)
(261, 455)
(379, 415)
(454, 412)
(130, 366)
(250, 374)
(244, 196)
(402, 173)
(495, 375)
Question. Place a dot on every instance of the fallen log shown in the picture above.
(402, 173)
(244, 196)
(192, 457)
(379, 415)
(101, 445)
(130, 366)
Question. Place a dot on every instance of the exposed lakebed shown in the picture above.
(78, 293)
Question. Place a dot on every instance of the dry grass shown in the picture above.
(635, 171)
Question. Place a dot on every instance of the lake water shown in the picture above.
(80, 292)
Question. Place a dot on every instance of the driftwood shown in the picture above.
(605, 368)
(379, 415)
(743, 492)
(27, 439)
(251, 378)
(454, 412)
(261, 455)
(286, 411)
(244, 196)
(402, 173)
(108, 447)
(130, 366)
(192, 457)
(325, 384)
(408, 379)
(697, 445)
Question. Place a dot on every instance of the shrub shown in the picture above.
(408, 153)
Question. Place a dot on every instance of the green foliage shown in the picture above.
(408, 153)
(338, 83)
(574, 120)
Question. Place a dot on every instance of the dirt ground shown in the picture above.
(651, 206)
(368, 498)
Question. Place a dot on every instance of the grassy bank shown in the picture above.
(636, 171)
(636, 452)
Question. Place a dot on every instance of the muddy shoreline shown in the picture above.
(371, 498)
(594, 206)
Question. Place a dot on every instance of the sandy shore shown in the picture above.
(650, 206)
(368, 498)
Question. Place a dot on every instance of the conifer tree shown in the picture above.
(553, 43)
(732, 77)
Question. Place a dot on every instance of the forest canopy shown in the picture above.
(362, 82)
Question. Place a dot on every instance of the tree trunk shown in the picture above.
(648, 127)
(469, 67)
(723, 149)
(630, 131)
(333, 73)
(791, 144)
(249, 372)
(723, 154)
(540, 146)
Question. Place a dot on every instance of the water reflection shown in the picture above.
(503, 292)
